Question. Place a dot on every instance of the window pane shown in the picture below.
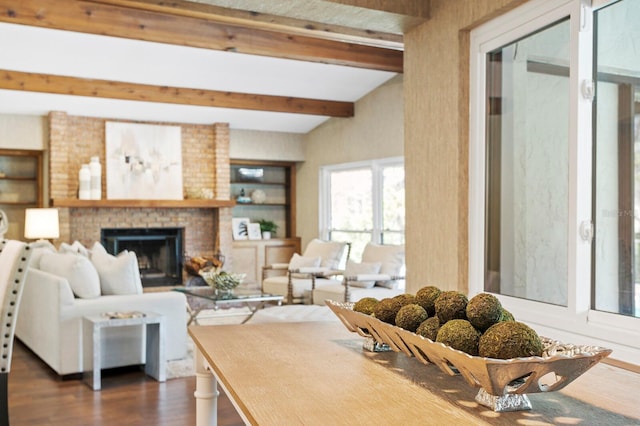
(351, 205)
(393, 198)
(527, 166)
(617, 167)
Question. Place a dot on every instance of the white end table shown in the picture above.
(155, 356)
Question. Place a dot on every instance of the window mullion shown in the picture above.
(580, 156)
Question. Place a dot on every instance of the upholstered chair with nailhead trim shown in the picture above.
(14, 259)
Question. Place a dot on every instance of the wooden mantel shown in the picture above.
(154, 204)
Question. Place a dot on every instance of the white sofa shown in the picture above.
(50, 322)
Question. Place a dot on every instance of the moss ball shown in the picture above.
(405, 299)
(451, 305)
(429, 328)
(510, 339)
(506, 315)
(484, 310)
(387, 309)
(426, 297)
(411, 316)
(460, 335)
(365, 305)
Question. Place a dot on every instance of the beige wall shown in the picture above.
(374, 132)
(436, 90)
(275, 146)
(23, 132)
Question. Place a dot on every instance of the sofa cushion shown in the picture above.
(329, 251)
(336, 292)
(77, 270)
(363, 268)
(390, 256)
(119, 275)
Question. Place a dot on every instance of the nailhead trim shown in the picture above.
(9, 307)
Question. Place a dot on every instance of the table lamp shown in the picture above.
(41, 224)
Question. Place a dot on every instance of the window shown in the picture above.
(527, 167)
(617, 167)
(554, 229)
(363, 202)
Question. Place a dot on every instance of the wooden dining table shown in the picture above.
(317, 373)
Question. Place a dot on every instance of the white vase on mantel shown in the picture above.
(84, 180)
(96, 178)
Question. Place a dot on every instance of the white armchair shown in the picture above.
(14, 259)
(379, 275)
(320, 262)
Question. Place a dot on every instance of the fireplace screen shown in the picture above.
(159, 252)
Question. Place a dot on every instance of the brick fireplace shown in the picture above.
(205, 157)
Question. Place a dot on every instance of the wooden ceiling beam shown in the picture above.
(63, 85)
(118, 21)
(266, 21)
(415, 8)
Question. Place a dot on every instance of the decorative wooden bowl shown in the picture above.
(496, 378)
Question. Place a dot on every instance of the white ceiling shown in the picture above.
(39, 50)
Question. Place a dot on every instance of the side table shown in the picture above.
(93, 325)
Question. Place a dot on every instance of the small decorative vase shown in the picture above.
(266, 235)
(224, 293)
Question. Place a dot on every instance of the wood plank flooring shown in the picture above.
(37, 396)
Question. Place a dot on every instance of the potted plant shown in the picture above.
(268, 228)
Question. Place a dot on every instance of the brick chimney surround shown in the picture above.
(205, 164)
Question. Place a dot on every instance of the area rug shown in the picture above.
(287, 313)
(184, 367)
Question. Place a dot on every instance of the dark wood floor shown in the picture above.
(37, 396)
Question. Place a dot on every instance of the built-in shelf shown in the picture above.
(155, 204)
(20, 186)
(277, 181)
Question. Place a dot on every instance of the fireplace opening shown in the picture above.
(159, 252)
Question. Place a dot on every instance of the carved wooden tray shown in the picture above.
(496, 377)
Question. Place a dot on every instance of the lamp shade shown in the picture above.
(41, 224)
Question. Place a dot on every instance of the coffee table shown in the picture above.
(199, 298)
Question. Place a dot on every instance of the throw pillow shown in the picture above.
(78, 271)
(119, 275)
(353, 269)
(75, 248)
(39, 248)
(329, 251)
(390, 256)
(298, 261)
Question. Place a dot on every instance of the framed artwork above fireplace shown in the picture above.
(143, 161)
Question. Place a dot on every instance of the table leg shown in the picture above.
(92, 353)
(253, 310)
(193, 315)
(156, 363)
(206, 393)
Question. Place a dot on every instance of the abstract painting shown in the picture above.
(144, 161)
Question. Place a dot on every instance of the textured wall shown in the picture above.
(23, 131)
(374, 132)
(436, 92)
(276, 146)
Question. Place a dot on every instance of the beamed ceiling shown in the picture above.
(276, 66)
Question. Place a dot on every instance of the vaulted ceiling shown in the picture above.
(279, 66)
